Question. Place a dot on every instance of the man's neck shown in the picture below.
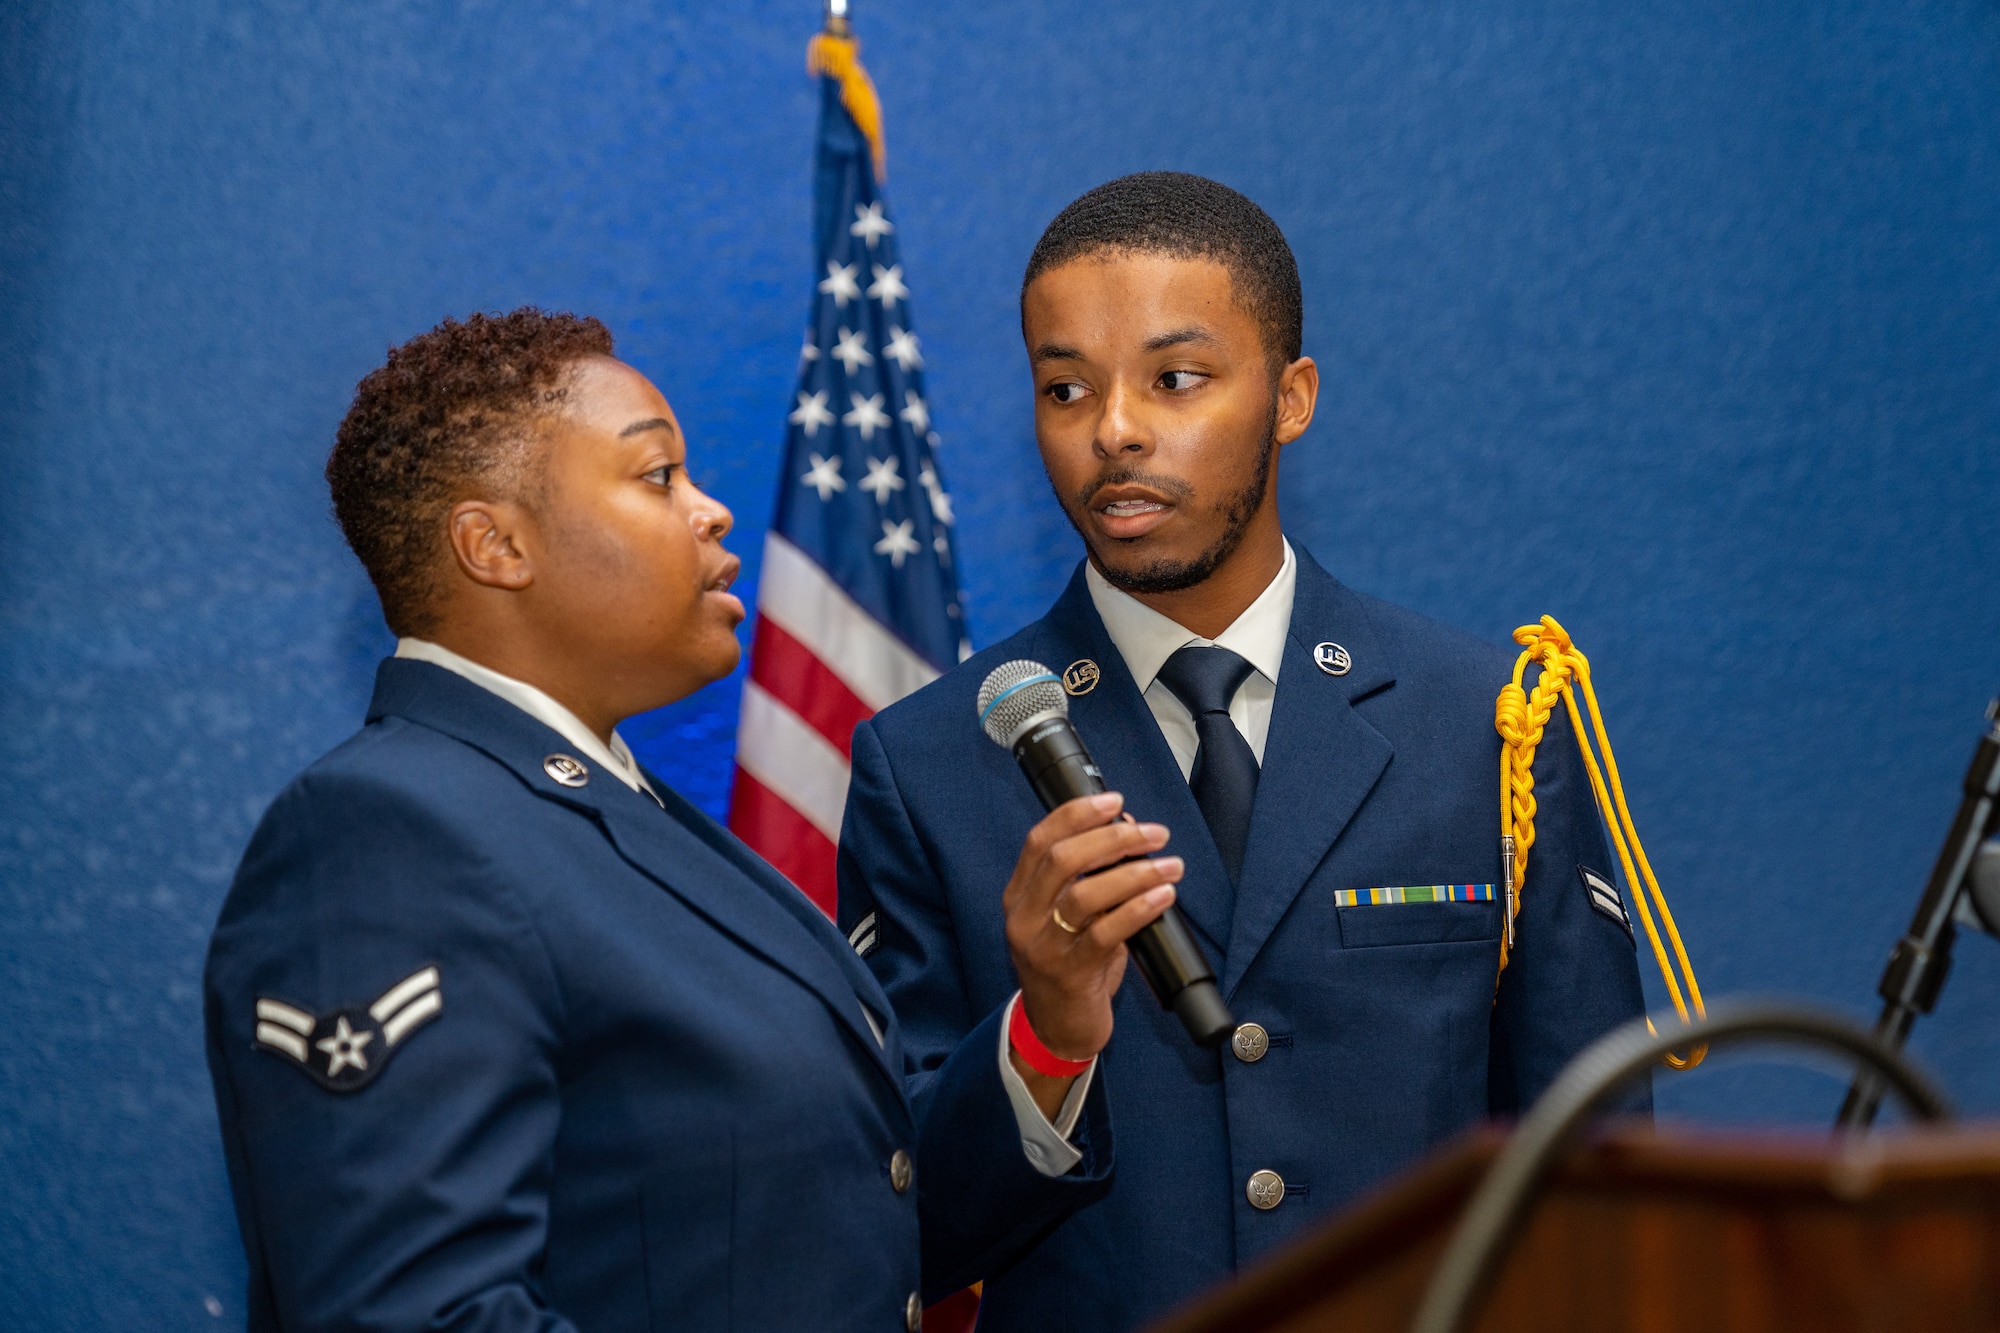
(1212, 606)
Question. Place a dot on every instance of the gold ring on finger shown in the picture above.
(1055, 915)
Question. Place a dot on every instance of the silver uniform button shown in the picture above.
(1266, 1190)
(913, 1313)
(1250, 1043)
(900, 1171)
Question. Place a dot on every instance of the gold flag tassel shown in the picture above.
(1521, 716)
(838, 56)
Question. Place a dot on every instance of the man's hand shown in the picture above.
(1068, 980)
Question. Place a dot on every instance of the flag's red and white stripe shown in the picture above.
(819, 664)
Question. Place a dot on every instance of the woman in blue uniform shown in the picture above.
(507, 1035)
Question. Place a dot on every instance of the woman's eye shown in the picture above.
(1176, 380)
(1066, 392)
(662, 475)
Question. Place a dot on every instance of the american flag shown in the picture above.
(858, 603)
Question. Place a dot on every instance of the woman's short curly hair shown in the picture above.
(449, 417)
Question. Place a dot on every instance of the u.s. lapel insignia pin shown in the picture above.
(1081, 676)
(1332, 659)
(570, 772)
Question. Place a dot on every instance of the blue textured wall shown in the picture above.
(1681, 322)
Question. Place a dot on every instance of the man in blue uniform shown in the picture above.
(1308, 747)
(507, 1035)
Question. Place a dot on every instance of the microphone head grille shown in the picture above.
(1015, 694)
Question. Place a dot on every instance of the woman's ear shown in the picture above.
(492, 541)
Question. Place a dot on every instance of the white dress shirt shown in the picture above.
(1046, 1145)
(1146, 639)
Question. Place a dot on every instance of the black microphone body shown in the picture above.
(1060, 769)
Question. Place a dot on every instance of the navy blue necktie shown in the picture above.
(1224, 780)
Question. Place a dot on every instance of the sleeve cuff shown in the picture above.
(1046, 1145)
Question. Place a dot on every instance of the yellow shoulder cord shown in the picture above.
(1520, 717)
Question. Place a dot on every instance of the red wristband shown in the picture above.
(1039, 1057)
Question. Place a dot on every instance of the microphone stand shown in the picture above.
(1920, 960)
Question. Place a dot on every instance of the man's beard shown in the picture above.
(1174, 575)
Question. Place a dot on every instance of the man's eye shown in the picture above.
(1176, 380)
(1066, 392)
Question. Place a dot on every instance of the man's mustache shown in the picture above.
(1173, 487)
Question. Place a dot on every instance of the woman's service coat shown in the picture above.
(500, 1043)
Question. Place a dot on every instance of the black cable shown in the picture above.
(1489, 1221)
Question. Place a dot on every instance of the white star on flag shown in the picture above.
(915, 412)
(897, 543)
(934, 487)
(852, 350)
(812, 413)
(825, 476)
(869, 224)
(867, 416)
(882, 479)
(808, 352)
(942, 545)
(343, 1048)
(888, 286)
(839, 282)
(903, 347)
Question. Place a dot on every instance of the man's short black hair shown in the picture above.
(1187, 217)
(448, 418)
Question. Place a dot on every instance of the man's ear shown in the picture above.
(1298, 394)
(493, 542)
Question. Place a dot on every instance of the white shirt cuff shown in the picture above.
(1047, 1145)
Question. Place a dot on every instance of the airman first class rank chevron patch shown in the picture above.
(1414, 893)
(344, 1049)
(1604, 897)
(863, 936)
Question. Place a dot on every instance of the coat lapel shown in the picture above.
(679, 848)
(1124, 738)
(830, 943)
(1321, 759)
(758, 907)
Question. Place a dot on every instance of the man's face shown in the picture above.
(633, 572)
(1155, 412)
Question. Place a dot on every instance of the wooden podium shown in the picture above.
(1676, 1231)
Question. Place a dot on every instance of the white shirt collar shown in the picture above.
(1146, 639)
(615, 758)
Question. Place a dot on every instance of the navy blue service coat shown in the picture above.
(1384, 1032)
(496, 1052)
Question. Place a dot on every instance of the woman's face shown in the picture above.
(633, 574)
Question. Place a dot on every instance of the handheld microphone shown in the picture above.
(1023, 707)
